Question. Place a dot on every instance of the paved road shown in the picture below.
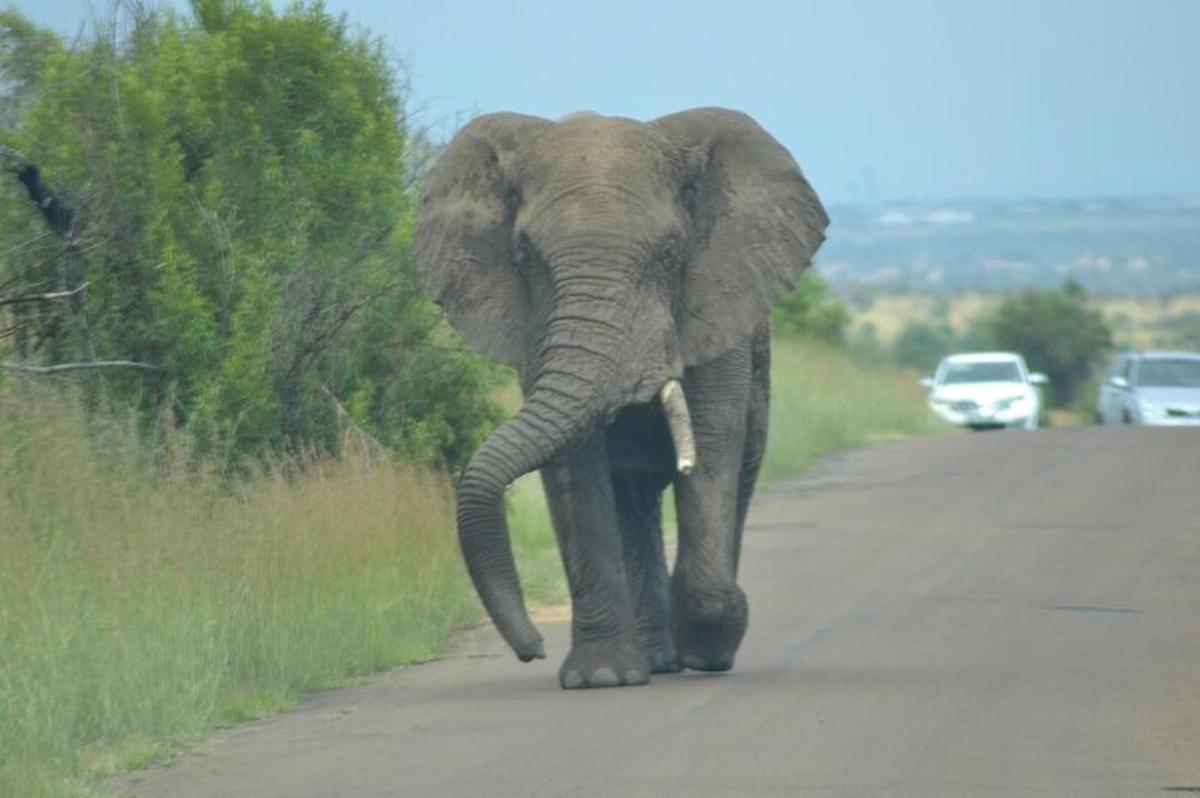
(998, 614)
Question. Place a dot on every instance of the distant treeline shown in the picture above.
(1110, 246)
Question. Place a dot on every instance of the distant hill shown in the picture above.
(1147, 246)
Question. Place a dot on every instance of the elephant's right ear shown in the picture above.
(464, 247)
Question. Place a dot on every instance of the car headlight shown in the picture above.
(1007, 402)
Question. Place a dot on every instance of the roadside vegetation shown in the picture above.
(1063, 333)
(822, 400)
(224, 199)
(145, 600)
(229, 419)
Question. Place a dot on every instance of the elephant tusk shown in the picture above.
(679, 421)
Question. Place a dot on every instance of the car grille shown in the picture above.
(1183, 412)
(964, 406)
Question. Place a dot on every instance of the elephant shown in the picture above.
(626, 270)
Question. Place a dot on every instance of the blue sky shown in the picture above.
(878, 100)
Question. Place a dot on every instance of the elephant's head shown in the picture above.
(600, 257)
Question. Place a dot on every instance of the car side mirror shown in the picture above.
(1118, 382)
(1038, 378)
(927, 382)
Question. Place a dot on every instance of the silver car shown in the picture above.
(1153, 388)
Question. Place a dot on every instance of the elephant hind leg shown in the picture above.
(639, 510)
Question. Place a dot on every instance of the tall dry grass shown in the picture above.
(144, 602)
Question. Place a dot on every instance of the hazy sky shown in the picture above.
(877, 99)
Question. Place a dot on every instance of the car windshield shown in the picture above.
(980, 371)
(1169, 373)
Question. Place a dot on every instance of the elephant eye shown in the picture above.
(670, 250)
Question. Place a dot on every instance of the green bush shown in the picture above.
(238, 190)
(920, 345)
(1057, 333)
(812, 311)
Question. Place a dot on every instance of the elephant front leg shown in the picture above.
(604, 648)
(709, 613)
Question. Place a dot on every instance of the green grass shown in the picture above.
(821, 401)
(142, 606)
(534, 546)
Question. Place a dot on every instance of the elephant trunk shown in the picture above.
(519, 446)
(570, 392)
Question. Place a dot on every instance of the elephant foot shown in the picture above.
(603, 664)
(659, 649)
(664, 661)
(708, 629)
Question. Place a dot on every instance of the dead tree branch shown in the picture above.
(366, 440)
(62, 368)
(49, 297)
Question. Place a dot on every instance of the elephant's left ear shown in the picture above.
(757, 223)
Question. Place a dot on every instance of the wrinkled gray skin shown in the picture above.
(602, 257)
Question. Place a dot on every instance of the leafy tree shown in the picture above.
(920, 345)
(977, 337)
(811, 310)
(238, 185)
(1057, 332)
(865, 347)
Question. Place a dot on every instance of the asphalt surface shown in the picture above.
(998, 614)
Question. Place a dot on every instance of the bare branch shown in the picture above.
(61, 368)
(42, 297)
(343, 416)
(8, 332)
(318, 341)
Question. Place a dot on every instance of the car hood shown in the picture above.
(985, 393)
(1171, 397)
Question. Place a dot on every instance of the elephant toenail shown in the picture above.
(693, 662)
(572, 679)
(633, 677)
(604, 677)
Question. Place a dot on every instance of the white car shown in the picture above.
(986, 390)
